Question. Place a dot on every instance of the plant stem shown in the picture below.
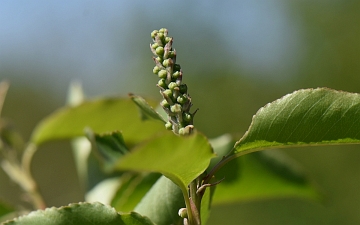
(32, 187)
(223, 162)
(4, 86)
(196, 200)
(188, 208)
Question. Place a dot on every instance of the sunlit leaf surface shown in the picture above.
(102, 115)
(180, 158)
(306, 117)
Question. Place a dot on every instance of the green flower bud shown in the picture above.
(182, 99)
(176, 75)
(172, 85)
(162, 83)
(168, 126)
(182, 131)
(168, 93)
(167, 39)
(163, 30)
(159, 59)
(156, 70)
(186, 130)
(183, 88)
(165, 104)
(154, 46)
(160, 51)
(162, 74)
(171, 54)
(187, 117)
(167, 62)
(161, 37)
(183, 213)
(176, 108)
(154, 33)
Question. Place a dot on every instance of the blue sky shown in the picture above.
(91, 40)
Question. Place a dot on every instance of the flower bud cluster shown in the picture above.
(177, 102)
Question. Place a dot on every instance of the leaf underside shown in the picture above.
(162, 203)
(319, 116)
(265, 174)
(258, 176)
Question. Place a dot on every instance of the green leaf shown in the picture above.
(267, 174)
(80, 213)
(5, 209)
(162, 203)
(306, 117)
(263, 175)
(146, 110)
(132, 189)
(124, 192)
(109, 147)
(104, 191)
(100, 115)
(180, 158)
(206, 203)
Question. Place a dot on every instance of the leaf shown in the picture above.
(132, 189)
(267, 174)
(306, 117)
(124, 192)
(162, 203)
(100, 115)
(180, 158)
(109, 147)
(81, 148)
(146, 109)
(5, 209)
(263, 175)
(221, 145)
(80, 213)
(104, 191)
(206, 203)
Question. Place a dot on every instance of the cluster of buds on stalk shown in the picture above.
(176, 102)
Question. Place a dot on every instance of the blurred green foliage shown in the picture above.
(330, 49)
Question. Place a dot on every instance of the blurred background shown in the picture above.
(236, 57)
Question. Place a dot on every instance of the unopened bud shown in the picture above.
(162, 74)
(163, 30)
(154, 46)
(183, 213)
(176, 108)
(162, 83)
(172, 85)
(168, 125)
(167, 39)
(165, 104)
(186, 130)
(187, 117)
(167, 62)
(156, 69)
(182, 99)
(161, 36)
(176, 74)
(159, 59)
(154, 33)
(159, 51)
(168, 93)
